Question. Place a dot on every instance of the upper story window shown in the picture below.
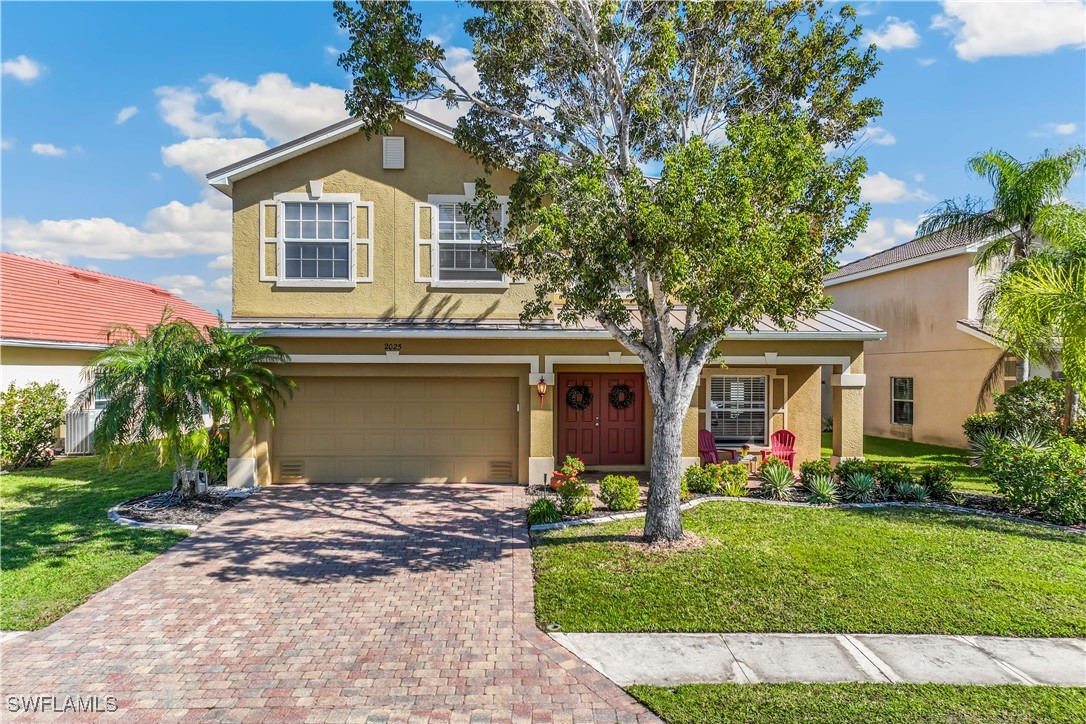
(462, 255)
(316, 240)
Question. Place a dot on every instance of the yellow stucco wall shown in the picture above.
(354, 165)
(918, 307)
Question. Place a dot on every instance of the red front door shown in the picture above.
(602, 432)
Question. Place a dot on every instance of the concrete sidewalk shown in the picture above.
(673, 659)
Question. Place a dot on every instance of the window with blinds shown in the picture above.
(738, 410)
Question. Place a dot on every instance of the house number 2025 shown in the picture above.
(393, 346)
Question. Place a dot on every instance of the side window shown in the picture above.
(316, 240)
(461, 256)
(901, 400)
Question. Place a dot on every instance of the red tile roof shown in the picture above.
(44, 301)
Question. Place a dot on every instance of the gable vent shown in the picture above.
(394, 156)
(499, 470)
(291, 469)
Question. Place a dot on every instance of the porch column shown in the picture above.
(249, 463)
(541, 434)
(691, 424)
(848, 416)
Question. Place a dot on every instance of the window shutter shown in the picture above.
(270, 224)
(393, 152)
(425, 241)
(363, 239)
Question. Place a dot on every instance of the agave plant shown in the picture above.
(734, 487)
(777, 480)
(1030, 437)
(822, 490)
(981, 445)
(860, 488)
(911, 492)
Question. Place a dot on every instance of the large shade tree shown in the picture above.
(1028, 214)
(164, 382)
(736, 103)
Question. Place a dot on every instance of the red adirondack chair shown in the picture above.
(782, 445)
(707, 449)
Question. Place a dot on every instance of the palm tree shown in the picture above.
(1027, 212)
(1040, 302)
(160, 384)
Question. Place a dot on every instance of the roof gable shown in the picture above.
(41, 301)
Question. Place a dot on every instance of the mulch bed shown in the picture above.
(195, 511)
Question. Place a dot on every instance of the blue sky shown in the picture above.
(112, 113)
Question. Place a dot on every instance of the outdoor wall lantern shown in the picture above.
(541, 388)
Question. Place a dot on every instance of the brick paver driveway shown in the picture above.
(379, 603)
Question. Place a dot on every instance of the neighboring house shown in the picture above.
(54, 318)
(352, 255)
(924, 378)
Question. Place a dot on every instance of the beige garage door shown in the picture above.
(397, 429)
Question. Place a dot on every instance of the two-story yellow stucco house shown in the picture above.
(411, 364)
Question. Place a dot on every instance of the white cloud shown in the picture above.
(276, 107)
(919, 177)
(331, 50)
(125, 113)
(21, 68)
(881, 234)
(925, 61)
(461, 64)
(226, 261)
(7, 144)
(878, 136)
(199, 156)
(882, 189)
(894, 33)
(1054, 129)
(47, 149)
(168, 231)
(987, 29)
(194, 289)
(178, 108)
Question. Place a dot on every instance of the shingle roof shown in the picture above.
(49, 302)
(826, 324)
(922, 246)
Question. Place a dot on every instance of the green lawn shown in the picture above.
(917, 455)
(774, 568)
(58, 545)
(898, 703)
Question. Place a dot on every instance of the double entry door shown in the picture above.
(601, 417)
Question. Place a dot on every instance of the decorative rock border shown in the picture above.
(118, 518)
(219, 490)
(885, 504)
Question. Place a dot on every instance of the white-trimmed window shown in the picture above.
(317, 240)
(462, 253)
(101, 397)
(901, 400)
(738, 413)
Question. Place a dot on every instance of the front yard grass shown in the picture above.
(768, 568)
(918, 455)
(59, 547)
(711, 703)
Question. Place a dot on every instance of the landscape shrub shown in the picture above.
(777, 481)
(860, 488)
(1051, 481)
(847, 468)
(218, 450)
(574, 497)
(888, 474)
(822, 490)
(733, 480)
(810, 468)
(620, 492)
(1036, 404)
(543, 511)
(936, 478)
(28, 425)
(701, 480)
(981, 423)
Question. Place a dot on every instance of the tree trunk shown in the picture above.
(663, 521)
(1069, 399)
